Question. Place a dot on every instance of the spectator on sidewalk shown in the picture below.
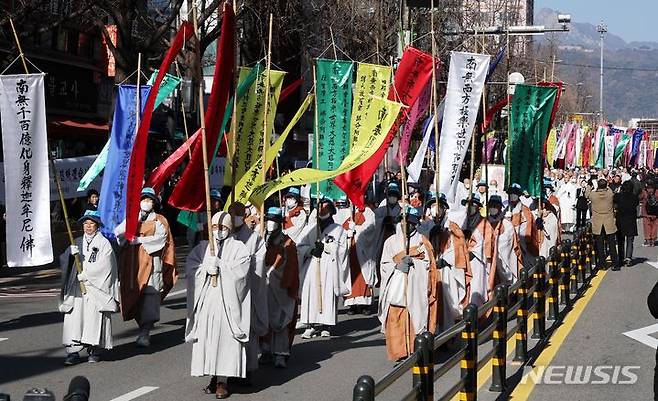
(603, 223)
(626, 203)
(649, 213)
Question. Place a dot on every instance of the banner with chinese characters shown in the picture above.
(25, 149)
(463, 94)
(377, 121)
(334, 101)
(254, 177)
(112, 202)
(532, 107)
(609, 151)
(249, 116)
(371, 81)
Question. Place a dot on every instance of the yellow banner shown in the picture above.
(254, 176)
(551, 142)
(377, 120)
(249, 116)
(371, 81)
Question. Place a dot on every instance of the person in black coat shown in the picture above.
(652, 303)
(626, 203)
(582, 205)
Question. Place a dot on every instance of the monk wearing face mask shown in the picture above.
(257, 282)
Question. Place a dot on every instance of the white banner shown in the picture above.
(25, 149)
(70, 171)
(463, 94)
(609, 151)
(642, 155)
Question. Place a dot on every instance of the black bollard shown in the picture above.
(423, 369)
(499, 360)
(564, 273)
(539, 316)
(469, 362)
(521, 354)
(573, 268)
(553, 282)
(364, 389)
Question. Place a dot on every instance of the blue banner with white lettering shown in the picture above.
(112, 203)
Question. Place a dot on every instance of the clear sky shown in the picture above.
(632, 20)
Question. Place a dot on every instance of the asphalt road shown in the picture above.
(31, 354)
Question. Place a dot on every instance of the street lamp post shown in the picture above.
(601, 29)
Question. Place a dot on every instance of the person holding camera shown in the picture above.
(88, 297)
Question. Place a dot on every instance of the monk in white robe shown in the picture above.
(295, 215)
(567, 195)
(361, 237)
(473, 232)
(550, 232)
(219, 316)
(257, 283)
(282, 267)
(147, 267)
(523, 221)
(451, 254)
(87, 317)
(387, 216)
(324, 271)
(411, 290)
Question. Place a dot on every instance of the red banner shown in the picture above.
(136, 171)
(167, 168)
(186, 194)
(411, 76)
(491, 113)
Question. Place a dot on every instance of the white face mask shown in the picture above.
(325, 216)
(493, 211)
(271, 226)
(291, 203)
(221, 235)
(392, 200)
(146, 206)
(238, 221)
(473, 209)
(513, 198)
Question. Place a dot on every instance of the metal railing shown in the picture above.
(552, 283)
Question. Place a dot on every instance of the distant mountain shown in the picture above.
(631, 69)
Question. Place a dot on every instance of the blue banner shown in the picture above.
(637, 138)
(112, 203)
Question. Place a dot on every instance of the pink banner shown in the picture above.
(417, 110)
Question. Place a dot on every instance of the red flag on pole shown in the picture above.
(411, 76)
(136, 170)
(186, 194)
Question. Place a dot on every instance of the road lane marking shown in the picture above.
(3, 339)
(644, 336)
(654, 264)
(523, 390)
(136, 393)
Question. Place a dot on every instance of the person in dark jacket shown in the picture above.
(582, 205)
(626, 203)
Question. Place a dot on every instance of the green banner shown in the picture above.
(530, 123)
(601, 151)
(621, 146)
(167, 87)
(250, 122)
(334, 102)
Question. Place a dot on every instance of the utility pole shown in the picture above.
(601, 29)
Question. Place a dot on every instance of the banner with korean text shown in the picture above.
(377, 121)
(25, 149)
(463, 94)
(249, 118)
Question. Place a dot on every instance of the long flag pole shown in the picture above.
(266, 139)
(204, 145)
(234, 121)
(76, 258)
(434, 106)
